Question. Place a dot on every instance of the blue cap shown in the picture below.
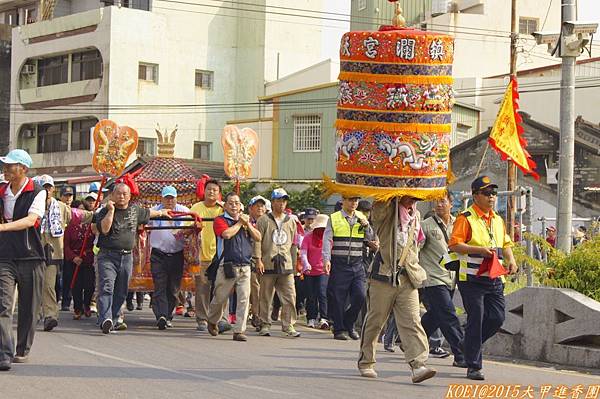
(169, 191)
(94, 187)
(279, 193)
(17, 156)
(482, 182)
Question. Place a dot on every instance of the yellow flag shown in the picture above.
(506, 136)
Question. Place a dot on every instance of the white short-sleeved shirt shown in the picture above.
(38, 206)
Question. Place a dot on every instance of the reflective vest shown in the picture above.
(482, 235)
(347, 243)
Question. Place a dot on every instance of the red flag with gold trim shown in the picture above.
(506, 136)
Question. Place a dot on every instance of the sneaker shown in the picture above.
(20, 359)
(474, 374)
(438, 353)
(4, 365)
(147, 297)
(107, 326)
(93, 308)
(202, 325)
(341, 336)
(265, 331)
(312, 323)
(130, 306)
(240, 337)
(179, 311)
(121, 326)
(224, 326)
(77, 315)
(324, 324)
(231, 319)
(139, 307)
(460, 363)
(50, 323)
(162, 323)
(213, 329)
(254, 321)
(87, 312)
(421, 374)
(389, 348)
(354, 335)
(291, 333)
(368, 373)
(169, 324)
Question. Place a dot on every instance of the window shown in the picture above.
(53, 137)
(53, 71)
(148, 72)
(202, 150)
(80, 134)
(137, 4)
(528, 25)
(307, 133)
(204, 79)
(31, 15)
(462, 133)
(146, 146)
(86, 65)
(11, 17)
(362, 4)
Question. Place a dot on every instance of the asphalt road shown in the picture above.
(77, 361)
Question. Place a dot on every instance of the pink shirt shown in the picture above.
(313, 255)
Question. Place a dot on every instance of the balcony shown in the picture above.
(61, 27)
(61, 94)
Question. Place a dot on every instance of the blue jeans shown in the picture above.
(114, 272)
(316, 298)
(441, 315)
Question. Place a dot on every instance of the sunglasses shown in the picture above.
(489, 193)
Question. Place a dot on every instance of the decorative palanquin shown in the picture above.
(156, 174)
(394, 114)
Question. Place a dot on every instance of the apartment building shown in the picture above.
(144, 63)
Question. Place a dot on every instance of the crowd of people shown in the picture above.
(259, 263)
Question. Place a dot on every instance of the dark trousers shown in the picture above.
(347, 283)
(67, 275)
(484, 304)
(441, 314)
(167, 271)
(84, 287)
(28, 276)
(300, 285)
(316, 296)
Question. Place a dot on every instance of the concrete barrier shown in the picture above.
(550, 325)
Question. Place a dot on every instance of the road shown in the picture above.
(77, 361)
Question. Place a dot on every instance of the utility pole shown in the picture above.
(511, 168)
(566, 155)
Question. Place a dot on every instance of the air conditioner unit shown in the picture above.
(28, 69)
(28, 133)
(552, 176)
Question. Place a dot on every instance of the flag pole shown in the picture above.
(511, 172)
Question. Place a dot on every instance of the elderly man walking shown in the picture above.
(274, 263)
(235, 236)
(166, 259)
(117, 224)
(22, 205)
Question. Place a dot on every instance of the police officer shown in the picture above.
(347, 230)
(478, 233)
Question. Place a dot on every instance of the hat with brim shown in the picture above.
(320, 222)
(482, 182)
(17, 157)
(279, 193)
(92, 195)
(67, 190)
(169, 191)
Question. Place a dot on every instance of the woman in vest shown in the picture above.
(478, 234)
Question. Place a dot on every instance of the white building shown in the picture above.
(146, 63)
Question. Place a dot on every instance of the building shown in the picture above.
(192, 65)
(5, 50)
(543, 146)
(481, 29)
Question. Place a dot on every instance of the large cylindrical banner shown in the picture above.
(394, 114)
